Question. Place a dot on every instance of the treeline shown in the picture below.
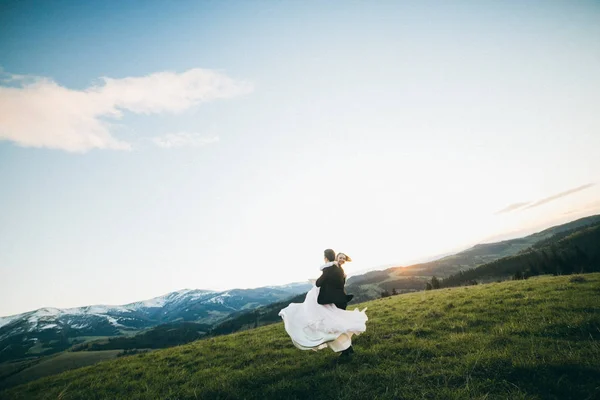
(566, 253)
(132, 352)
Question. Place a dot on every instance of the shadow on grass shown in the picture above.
(558, 381)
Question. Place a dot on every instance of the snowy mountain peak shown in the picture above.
(178, 296)
(50, 326)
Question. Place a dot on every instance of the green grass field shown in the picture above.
(57, 363)
(533, 339)
(8, 369)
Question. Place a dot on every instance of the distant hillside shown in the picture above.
(532, 339)
(261, 316)
(414, 277)
(159, 337)
(573, 251)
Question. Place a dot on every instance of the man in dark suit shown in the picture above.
(332, 282)
(332, 291)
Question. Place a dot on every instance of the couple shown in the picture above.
(322, 320)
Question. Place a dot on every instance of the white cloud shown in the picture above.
(521, 205)
(559, 195)
(38, 112)
(184, 139)
(512, 207)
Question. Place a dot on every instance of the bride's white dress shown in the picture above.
(313, 326)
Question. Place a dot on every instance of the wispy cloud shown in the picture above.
(183, 139)
(512, 207)
(527, 205)
(559, 195)
(38, 112)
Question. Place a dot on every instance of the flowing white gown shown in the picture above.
(313, 326)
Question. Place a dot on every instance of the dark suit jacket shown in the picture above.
(332, 291)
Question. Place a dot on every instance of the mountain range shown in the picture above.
(48, 330)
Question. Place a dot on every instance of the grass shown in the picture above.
(55, 364)
(12, 367)
(533, 339)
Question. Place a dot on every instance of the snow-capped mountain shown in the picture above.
(130, 316)
(52, 329)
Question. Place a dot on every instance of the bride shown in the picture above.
(318, 323)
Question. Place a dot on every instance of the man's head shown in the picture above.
(329, 255)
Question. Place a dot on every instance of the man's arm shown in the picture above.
(325, 277)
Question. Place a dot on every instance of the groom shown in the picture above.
(332, 282)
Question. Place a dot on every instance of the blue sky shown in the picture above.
(150, 146)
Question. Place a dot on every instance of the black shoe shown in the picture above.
(347, 353)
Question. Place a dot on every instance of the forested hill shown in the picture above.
(415, 277)
(484, 253)
(575, 251)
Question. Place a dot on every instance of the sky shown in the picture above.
(147, 147)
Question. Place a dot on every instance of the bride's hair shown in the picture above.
(329, 254)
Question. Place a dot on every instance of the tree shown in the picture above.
(580, 259)
(385, 293)
(428, 286)
(518, 276)
(435, 282)
(532, 270)
(394, 292)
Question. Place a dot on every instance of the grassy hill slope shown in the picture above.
(533, 339)
(52, 365)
